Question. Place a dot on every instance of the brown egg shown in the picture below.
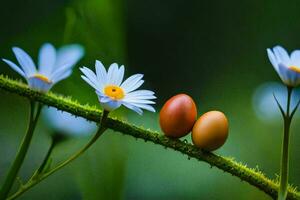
(210, 131)
(178, 116)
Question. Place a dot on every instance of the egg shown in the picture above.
(210, 131)
(178, 116)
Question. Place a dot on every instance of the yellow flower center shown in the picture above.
(42, 78)
(295, 69)
(114, 92)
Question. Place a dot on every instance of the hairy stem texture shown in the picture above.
(252, 176)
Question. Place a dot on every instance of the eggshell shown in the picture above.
(210, 131)
(178, 116)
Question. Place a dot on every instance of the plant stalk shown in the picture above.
(46, 159)
(23, 149)
(32, 183)
(284, 167)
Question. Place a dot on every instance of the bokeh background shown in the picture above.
(214, 51)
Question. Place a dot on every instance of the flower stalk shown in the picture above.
(100, 131)
(13, 171)
(46, 160)
(284, 167)
(36, 178)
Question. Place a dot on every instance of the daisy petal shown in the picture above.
(15, 67)
(144, 106)
(92, 77)
(62, 76)
(139, 101)
(120, 76)
(90, 82)
(135, 86)
(100, 94)
(141, 94)
(141, 97)
(295, 58)
(25, 61)
(281, 55)
(272, 59)
(59, 72)
(47, 57)
(134, 108)
(132, 82)
(112, 74)
(101, 72)
(69, 54)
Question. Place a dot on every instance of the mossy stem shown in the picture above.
(13, 171)
(251, 176)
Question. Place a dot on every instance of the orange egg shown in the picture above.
(210, 131)
(178, 116)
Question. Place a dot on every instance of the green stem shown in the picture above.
(284, 167)
(32, 183)
(56, 138)
(45, 161)
(253, 176)
(13, 172)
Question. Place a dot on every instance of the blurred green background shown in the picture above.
(214, 51)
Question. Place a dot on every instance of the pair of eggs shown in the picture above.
(178, 117)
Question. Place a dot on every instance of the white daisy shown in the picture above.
(112, 93)
(54, 65)
(287, 66)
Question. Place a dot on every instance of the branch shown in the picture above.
(252, 176)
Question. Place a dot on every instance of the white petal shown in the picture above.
(62, 76)
(92, 77)
(25, 61)
(69, 54)
(134, 108)
(86, 79)
(112, 74)
(47, 58)
(100, 94)
(15, 67)
(138, 101)
(281, 55)
(132, 82)
(141, 94)
(144, 106)
(101, 72)
(59, 72)
(295, 58)
(135, 86)
(120, 75)
(272, 59)
(146, 97)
